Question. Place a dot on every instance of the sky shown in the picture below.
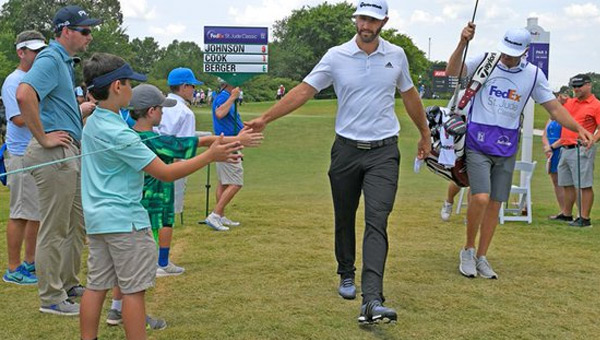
(574, 25)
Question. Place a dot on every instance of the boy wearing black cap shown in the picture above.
(50, 110)
(585, 109)
(122, 251)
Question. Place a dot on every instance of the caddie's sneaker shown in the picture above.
(66, 308)
(467, 262)
(228, 222)
(214, 221)
(581, 222)
(114, 317)
(347, 289)
(484, 269)
(155, 324)
(169, 270)
(20, 276)
(30, 267)
(446, 211)
(76, 291)
(373, 312)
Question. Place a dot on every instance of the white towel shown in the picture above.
(447, 156)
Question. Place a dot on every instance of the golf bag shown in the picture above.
(455, 125)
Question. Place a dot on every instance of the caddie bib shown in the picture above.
(495, 115)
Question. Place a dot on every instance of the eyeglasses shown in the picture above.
(83, 31)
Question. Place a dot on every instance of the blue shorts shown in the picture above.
(553, 168)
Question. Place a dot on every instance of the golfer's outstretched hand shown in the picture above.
(225, 152)
(257, 124)
(250, 138)
(424, 147)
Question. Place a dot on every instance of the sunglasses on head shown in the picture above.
(578, 85)
(83, 31)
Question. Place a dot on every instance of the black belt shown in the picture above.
(367, 145)
(573, 146)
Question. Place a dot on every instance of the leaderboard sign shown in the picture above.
(236, 49)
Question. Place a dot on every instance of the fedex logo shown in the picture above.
(510, 94)
(215, 35)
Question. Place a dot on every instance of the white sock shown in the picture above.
(116, 304)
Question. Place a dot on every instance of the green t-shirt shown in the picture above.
(158, 196)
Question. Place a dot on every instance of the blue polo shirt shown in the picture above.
(53, 78)
(112, 180)
(231, 124)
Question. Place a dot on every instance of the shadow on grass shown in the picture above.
(380, 330)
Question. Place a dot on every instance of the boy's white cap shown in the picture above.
(515, 42)
(377, 9)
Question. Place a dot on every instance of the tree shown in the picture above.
(303, 38)
(178, 54)
(21, 15)
(145, 54)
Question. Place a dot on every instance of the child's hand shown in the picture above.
(225, 152)
(249, 138)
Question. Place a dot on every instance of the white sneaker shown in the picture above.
(228, 222)
(214, 221)
(446, 211)
(169, 270)
(484, 269)
(467, 265)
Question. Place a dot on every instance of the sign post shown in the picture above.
(539, 55)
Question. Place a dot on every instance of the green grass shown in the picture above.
(274, 277)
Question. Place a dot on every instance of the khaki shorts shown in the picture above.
(24, 202)
(230, 173)
(127, 260)
(567, 167)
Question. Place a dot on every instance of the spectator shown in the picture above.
(50, 111)
(552, 149)
(24, 215)
(585, 109)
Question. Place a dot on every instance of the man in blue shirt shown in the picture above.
(24, 213)
(51, 112)
(226, 120)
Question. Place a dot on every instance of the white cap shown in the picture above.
(33, 45)
(515, 42)
(377, 9)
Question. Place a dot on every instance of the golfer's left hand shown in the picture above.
(586, 138)
(424, 147)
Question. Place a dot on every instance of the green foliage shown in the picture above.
(178, 54)
(303, 38)
(145, 54)
(264, 88)
(21, 15)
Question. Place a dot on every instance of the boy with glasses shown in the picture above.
(178, 121)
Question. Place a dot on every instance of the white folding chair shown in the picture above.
(461, 196)
(524, 192)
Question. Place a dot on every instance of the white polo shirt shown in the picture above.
(178, 120)
(365, 86)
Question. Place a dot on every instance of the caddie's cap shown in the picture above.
(580, 80)
(123, 72)
(145, 96)
(182, 75)
(515, 42)
(377, 9)
(73, 16)
(31, 40)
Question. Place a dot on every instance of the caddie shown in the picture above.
(493, 135)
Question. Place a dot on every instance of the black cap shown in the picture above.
(73, 16)
(580, 80)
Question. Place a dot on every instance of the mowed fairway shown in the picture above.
(274, 276)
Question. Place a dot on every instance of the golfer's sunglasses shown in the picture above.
(83, 31)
